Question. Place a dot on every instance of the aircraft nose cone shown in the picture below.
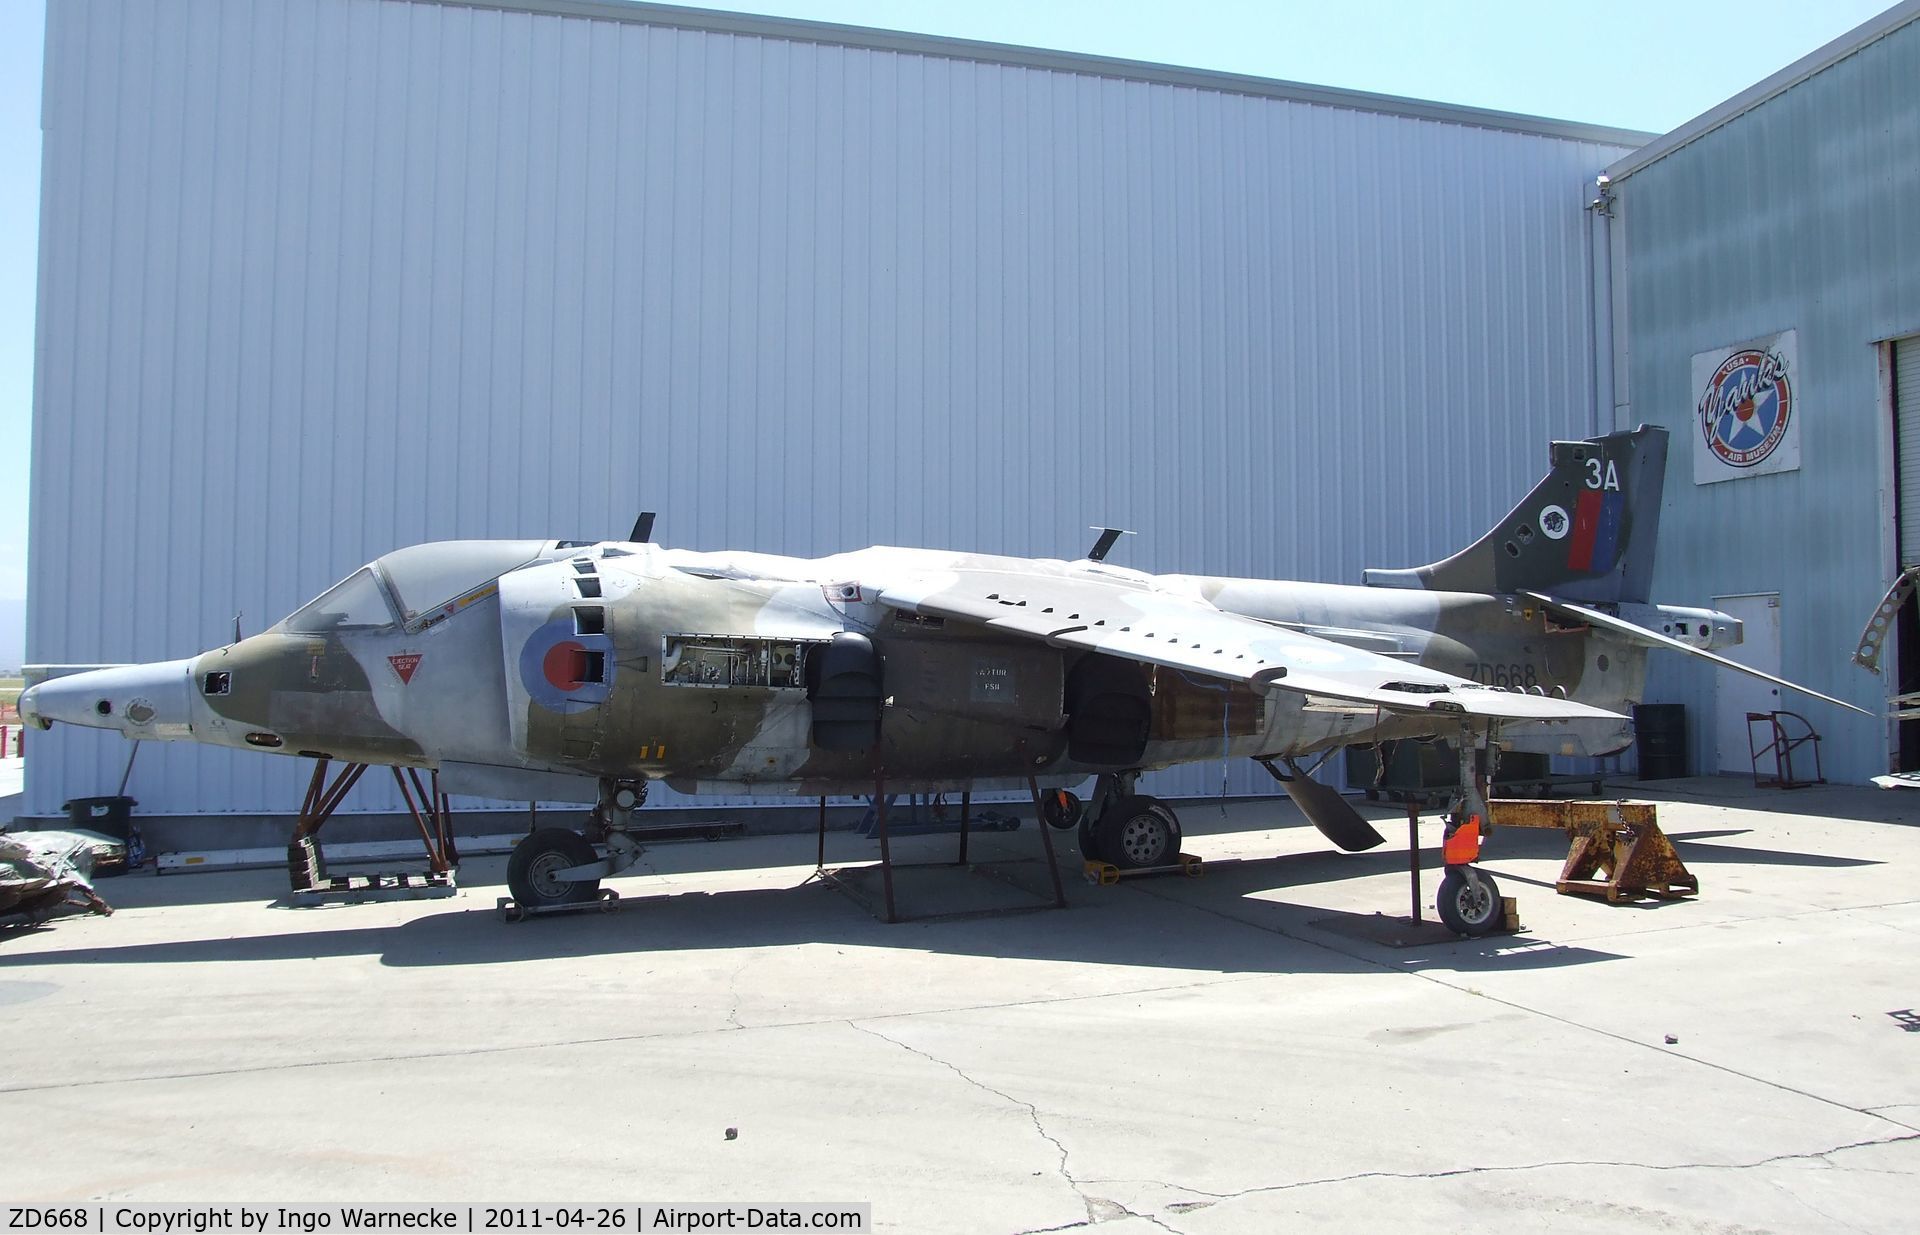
(28, 707)
(140, 701)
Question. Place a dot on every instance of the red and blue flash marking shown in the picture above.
(1596, 531)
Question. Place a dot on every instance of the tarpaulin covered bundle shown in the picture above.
(44, 874)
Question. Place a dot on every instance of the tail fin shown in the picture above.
(1586, 532)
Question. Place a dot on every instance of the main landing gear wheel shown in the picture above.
(1136, 832)
(1062, 810)
(533, 870)
(1469, 902)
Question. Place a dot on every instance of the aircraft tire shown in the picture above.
(1137, 832)
(530, 869)
(1062, 810)
(1465, 911)
(1089, 839)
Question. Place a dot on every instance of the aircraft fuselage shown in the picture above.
(627, 661)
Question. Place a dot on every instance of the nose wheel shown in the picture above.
(533, 870)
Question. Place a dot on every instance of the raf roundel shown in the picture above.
(565, 671)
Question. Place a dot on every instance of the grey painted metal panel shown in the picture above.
(1796, 214)
(328, 277)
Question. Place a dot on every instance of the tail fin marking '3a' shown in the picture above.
(1586, 532)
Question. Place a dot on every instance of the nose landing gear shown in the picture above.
(537, 871)
(554, 868)
(1469, 902)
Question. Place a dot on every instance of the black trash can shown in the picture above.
(108, 816)
(1660, 740)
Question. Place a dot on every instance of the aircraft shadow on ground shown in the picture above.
(1834, 802)
(1227, 922)
(1693, 847)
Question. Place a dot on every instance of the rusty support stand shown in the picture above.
(322, 798)
(886, 853)
(966, 818)
(820, 860)
(429, 809)
(1046, 842)
(1616, 849)
(307, 864)
(1413, 854)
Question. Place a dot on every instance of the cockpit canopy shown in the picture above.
(407, 583)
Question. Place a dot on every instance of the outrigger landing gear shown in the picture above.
(1063, 810)
(1127, 829)
(559, 868)
(1469, 902)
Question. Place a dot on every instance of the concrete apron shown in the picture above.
(1215, 1054)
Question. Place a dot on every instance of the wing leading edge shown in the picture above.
(1161, 628)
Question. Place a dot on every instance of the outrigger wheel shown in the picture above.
(533, 869)
(1135, 831)
(1062, 810)
(1469, 902)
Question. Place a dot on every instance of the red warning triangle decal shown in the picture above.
(404, 665)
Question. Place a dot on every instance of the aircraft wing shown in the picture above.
(1635, 633)
(1179, 632)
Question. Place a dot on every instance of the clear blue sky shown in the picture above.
(1644, 64)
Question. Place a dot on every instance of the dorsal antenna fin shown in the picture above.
(1104, 545)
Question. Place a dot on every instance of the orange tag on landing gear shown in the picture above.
(1464, 845)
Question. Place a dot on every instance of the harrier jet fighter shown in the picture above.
(566, 671)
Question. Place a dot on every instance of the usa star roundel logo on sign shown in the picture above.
(1745, 409)
(404, 665)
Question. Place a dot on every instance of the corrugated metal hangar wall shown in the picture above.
(1827, 253)
(326, 277)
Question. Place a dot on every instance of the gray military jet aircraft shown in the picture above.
(565, 671)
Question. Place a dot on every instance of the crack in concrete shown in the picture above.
(1810, 1207)
(733, 993)
(1093, 1204)
(289, 1065)
(1818, 1155)
(1465, 989)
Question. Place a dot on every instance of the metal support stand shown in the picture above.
(1413, 854)
(307, 864)
(1046, 842)
(1615, 850)
(886, 854)
(430, 810)
(888, 909)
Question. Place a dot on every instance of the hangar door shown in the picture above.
(1906, 412)
(1906, 637)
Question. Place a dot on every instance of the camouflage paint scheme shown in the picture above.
(561, 664)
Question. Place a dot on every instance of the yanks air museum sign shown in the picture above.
(1747, 409)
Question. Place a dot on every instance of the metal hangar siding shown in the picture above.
(328, 277)
(1790, 207)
